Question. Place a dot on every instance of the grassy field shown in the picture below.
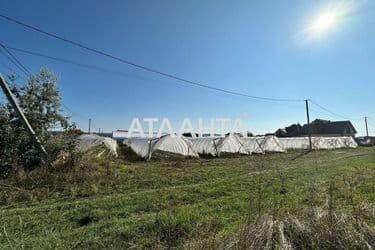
(176, 203)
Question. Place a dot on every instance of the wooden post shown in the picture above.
(308, 123)
(21, 115)
(90, 126)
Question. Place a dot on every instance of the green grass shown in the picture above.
(168, 203)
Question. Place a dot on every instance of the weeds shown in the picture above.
(254, 202)
(312, 229)
(87, 177)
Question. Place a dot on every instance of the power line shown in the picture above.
(7, 56)
(314, 110)
(145, 68)
(371, 118)
(68, 61)
(23, 68)
(372, 125)
(59, 59)
(77, 115)
(371, 121)
(74, 113)
(7, 66)
(327, 110)
(76, 63)
(12, 69)
(71, 112)
(17, 75)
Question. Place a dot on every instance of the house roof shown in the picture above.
(292, 130)
(328, 127)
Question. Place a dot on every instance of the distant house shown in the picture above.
(294, 130)
(319, 127)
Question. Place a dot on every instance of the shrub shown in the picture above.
(40, 101)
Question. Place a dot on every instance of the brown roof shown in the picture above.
(328, 127)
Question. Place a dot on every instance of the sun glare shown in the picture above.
(323, 22)
(320, 24)
(328, 19)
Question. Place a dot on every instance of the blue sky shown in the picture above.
(253, 47)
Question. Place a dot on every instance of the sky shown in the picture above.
(257, 48)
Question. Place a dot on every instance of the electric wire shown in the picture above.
(145, 68)
(76, 63)
(22, 66)
(139, 66)
(26, 70)
(328, 110)
(10, 59)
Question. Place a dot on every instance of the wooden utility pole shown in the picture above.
(308, 123)
(21, 115)
(366, 126)
(90, 126)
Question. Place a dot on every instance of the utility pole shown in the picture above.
(366, 126)
(21, 115)
(308, 123)
(90, 126)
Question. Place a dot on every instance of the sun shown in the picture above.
(323, 22)
(330, 18)
(320, 24)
